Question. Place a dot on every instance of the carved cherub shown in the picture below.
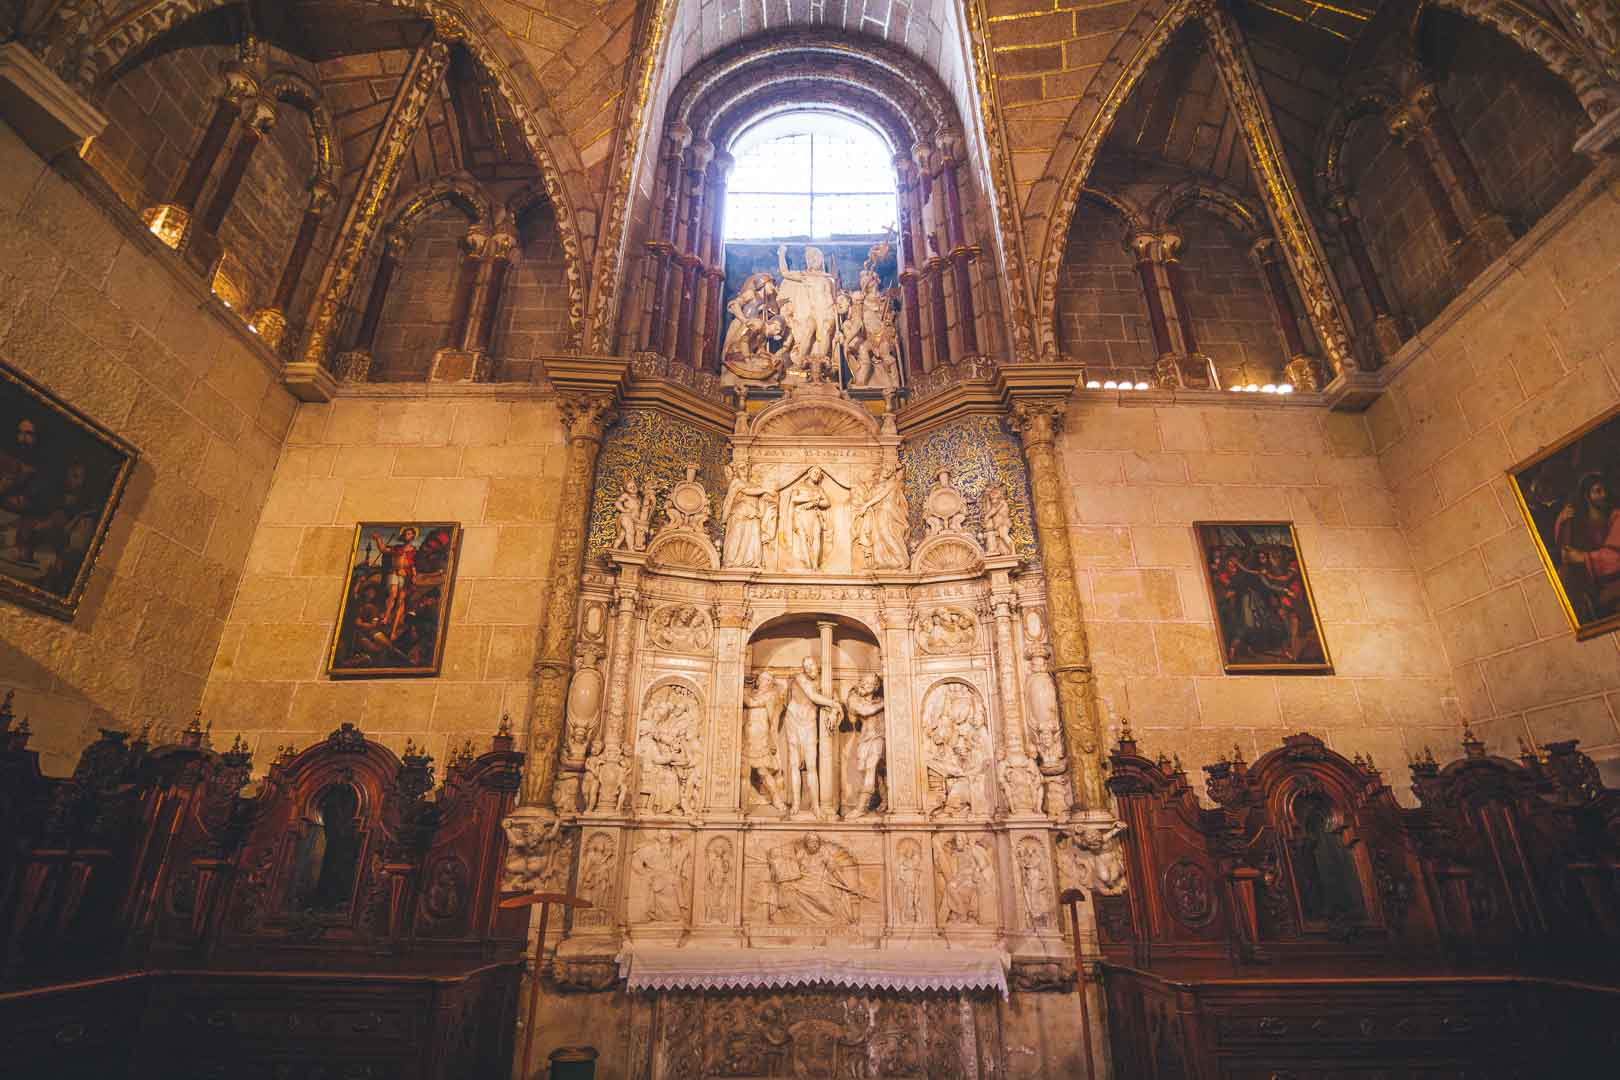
(995, 518)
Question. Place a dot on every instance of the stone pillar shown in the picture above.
(714, 271)
(1145, 247)
(171, 221)
(354, 365)
(827, 741)
(260, 116)
(1300, 369)
(1179, 364)
(1295, 230)
(1403, 126)
(500, 253)
(1038, 422)
(364, 217)
(587, 419)
(456, 361)
(900, 749)
(1485, 232)
(1389, 329)
(662, 250)
(692, 259)
(1002, 603)
(270, 321)
(626, 605)
(911, 310)
(961, 254)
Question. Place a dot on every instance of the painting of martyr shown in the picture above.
(396, 600)
(61, 476)
(1265, 616)
(1570, 495)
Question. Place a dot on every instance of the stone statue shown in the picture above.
(995, 519)
(762, 736)
(1031, 859)
(1095, 860)
(1021, 781)
(670, 734)
(811, 880)
(864, 706)
(717, 881)
(944, 509)
(537, 852)
(964, 868)
(956, 750)
(883, 521)
(808, 528)
(596, 877)
(681, 628)
(809, 306)
(945, 630)
(746, 354)
(743, 513)
(1044, 721)
(635, 508)
(606, 782)
(806, 705)
(908, 882)
(659, 870)
(871, 341)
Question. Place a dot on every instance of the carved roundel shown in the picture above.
(1187, 890)
(446, 881)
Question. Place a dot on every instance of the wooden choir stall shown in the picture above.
(1307, 926)
(163, 917)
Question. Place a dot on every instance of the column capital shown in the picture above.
(259, 113)
(923, 155)
(1037, 420)
(240, 83)
(680, 137)
(587, 416)
(702, 152)
(720, 167)
(1264, 250)
(322, 196)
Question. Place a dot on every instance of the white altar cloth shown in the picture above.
(653, 968)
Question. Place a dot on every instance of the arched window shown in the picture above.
(809, 174)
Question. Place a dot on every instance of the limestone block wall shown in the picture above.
(1524, 357)
(1140, 473)
(93, 307)
(488, 457)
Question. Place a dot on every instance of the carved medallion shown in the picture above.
(1192, 901)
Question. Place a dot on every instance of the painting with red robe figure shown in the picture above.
(396, 599)
(1265, 616)
(1570, 495)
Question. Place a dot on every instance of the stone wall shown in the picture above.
(533, 319)
(489, 458)
(1101, 313)
(1232, 316)
(97, 310)
(416, 316)
(1141, 473)
(1522, 359)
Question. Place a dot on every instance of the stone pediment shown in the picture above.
(682, 549)
(808, 414)
(948, 553)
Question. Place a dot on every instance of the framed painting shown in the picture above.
(1570, 496)
(1265, 615)
(396, 599)
(61, 476)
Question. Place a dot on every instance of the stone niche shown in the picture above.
(798, 720)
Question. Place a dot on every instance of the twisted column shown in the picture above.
(587, 419)
(1037, 421)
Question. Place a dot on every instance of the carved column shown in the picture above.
(900, 738)
(1293, 226)
(1300, 369)
(171, 221)
(587, 419)
(714, 270)
(1485, 232)
(627, 602)
(1002, 603)
(692, 259)
(961, 254)
(354, 365)
(662, 250)
(499, 254)
(1038, 422)
(270, 321)
(364, 216)
(457, 361)
(1403, 126)
(1389, 329)
(827, 741)
(907, 190)
(1145, 247)
(204, 247)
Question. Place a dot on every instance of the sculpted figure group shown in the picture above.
(798, 522)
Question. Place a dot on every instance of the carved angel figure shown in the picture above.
(634, 512)
(1094, 856)
(995, 518)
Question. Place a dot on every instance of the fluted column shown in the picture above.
(692, 258)
(961, 254)
(1389, 329)
(1300, 369)
(663, 248)
(364, 217)
(906, 176)
(1038, 422)
(270, 321)
(171, 221)
(587, 419)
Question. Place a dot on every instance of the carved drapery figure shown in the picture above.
(659, 867)
(596, 875)
(964, 868)
(717, 880)
(944, 509)
(908, 872)
(670, 731)
(744, 512)
(1032, 883)
(762, 738)
(868, 337)
(945, 630)
(956, 751)
(635, 509)
(995, 520)
(882, 521)
(756, 320)
(807, 709)
(811, 880)
(681, 627)
(864, 706)
(805, 506)
(809, 305)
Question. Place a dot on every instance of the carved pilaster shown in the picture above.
(1295, 231)
(1037, 422)
(587, 418)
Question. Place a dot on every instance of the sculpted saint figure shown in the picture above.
(805, 706)
(996, 518)
(812, 881)
(807, 506)
(717, 886)
(864, 703)
(596, 872)
(742, 512)
(883, 520)
(635, 511)
(813, 294)
(965, 869)
(661, 869)
(762, 730)
(1032, 882)
(908, 881)
(669, 747)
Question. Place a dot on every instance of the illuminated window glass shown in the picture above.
(810, 174)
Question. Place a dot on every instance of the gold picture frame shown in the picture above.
(1266, 620)
(395, 609)
(1554, 490)
(62, 476)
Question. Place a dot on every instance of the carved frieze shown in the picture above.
(660, 878)
(964, 871)
(946, 630)
(681, 628)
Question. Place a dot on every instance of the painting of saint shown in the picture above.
(396, 600)
(61, 476)
(1265, 616)
(1570, 495)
